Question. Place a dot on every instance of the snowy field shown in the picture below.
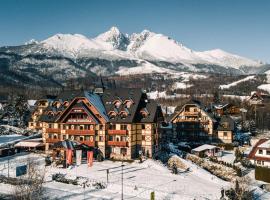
(139, 181)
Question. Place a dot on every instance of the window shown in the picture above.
(87, 138)
(267, 152)
(32, 124)
(101, 138)
(64, 137)
(112, 127)
(143, 126)
(143, 137)
(260, 151)
(225, 134)
(123, 127)
(81, 138)
(110, 138)
(123, 138)
(123, 151)
(50, 125)
(101, 127)
(258, 162)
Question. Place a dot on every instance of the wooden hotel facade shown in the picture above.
(121, 123)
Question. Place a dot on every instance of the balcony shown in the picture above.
(117, 132)
(88, 143)
(53, 130)
(51, 140)
(80, 132)
(187, 120)
(191, 113)
(118, 143)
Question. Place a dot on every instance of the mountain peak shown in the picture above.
(115, 30)
(113, 36)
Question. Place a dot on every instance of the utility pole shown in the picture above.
(122, 179)
(107, 176)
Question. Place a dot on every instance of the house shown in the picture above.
(260, 153)
(258, 99)
(225, 129)
(226, 109)
(123, 123)
(191, 122)
(207, 150)
(194, 123)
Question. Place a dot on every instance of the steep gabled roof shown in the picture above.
(252, 153)
(192, 102)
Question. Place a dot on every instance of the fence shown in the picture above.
(262, 174)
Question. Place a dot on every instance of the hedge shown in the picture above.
(262, 174)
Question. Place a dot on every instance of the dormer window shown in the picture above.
(117, 103)
(225, 125)
(144, 112)
(112, 114)
(128, 103)
(123, 114)
(66, 103)
(50, 113)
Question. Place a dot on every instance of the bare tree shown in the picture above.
(30, 186)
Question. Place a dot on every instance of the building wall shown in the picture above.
(224, 138)
(260, 163)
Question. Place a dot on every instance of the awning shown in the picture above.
(31, 144)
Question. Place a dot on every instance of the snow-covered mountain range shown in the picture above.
(65, 56)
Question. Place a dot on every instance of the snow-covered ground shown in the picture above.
(5, 139)
(227, 156)
(236, 82)
(139, 181)
(265, 87)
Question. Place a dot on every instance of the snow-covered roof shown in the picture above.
(204, 147)
(31, 102)
(265, 144)
(29, 144)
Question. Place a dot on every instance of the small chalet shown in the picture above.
(258, 98)
(260, 153)
(207, 150)
(226, 109)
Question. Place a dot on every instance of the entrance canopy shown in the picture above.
(30, 143)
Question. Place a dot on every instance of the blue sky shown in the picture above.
(237, 26)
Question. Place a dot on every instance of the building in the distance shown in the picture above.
(122, 123)
(260, 153)
(195, 123)
(192, 123)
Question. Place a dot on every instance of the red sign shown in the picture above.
(69, 156)
(90, 158)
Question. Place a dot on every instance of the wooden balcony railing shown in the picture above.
(117, 132)
(191, 113)
(53, 130)
(51, 140)
(88, 143)
(80, 132)
(117, 143)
